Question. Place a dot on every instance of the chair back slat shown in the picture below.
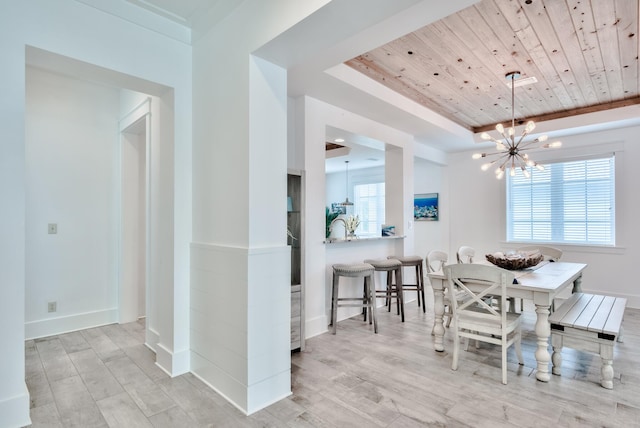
(487, 281)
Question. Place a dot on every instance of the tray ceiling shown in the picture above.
(583, 54)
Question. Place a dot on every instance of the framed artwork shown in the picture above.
(337, 208)
(425, 207)
(388, 230)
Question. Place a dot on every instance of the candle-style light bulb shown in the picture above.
(530, 126)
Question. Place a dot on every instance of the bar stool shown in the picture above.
(415, 262)
(393, 268)
(357, 270)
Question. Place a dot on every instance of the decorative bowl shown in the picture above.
(516, 261)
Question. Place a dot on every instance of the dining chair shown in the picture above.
(435, 262)
(475, 319)
(551, 254)
(465, 254)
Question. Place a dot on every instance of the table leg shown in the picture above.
(438, 324)
(577, 285)
(543, 331)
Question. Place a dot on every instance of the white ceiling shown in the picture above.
(183, 11)
(364, 152)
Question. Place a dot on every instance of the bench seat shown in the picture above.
(588, 322)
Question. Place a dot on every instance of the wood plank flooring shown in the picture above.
(106, 377)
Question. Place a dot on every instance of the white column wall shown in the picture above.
(240, 276)
(14, 396)
(73, 29)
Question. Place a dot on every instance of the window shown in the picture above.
(369, 205)
(567, 203)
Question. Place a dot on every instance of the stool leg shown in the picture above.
(372, 298)
(388, 293)
(400, 292)
(334, 303)
(395, 287)
(364, 299)
(420, 282)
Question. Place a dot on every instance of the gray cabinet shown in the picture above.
(294, 225)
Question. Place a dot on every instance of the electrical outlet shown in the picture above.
(53, 229)
(52, 306)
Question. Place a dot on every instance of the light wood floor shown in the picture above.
(106, 377)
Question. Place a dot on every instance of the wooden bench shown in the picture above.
(588, 322)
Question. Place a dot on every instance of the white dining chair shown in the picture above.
(465, 254)
(550, 253)
(474, 318)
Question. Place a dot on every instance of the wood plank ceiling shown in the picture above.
(584, 55)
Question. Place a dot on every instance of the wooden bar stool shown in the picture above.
(357, 270)
(415, 262)
(393, 268)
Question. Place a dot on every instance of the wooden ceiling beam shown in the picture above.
(566, 113)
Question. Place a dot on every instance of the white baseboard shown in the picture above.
(316, 326)
(66, 324)
(14, 411)
(172, 363)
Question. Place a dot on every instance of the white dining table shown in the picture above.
(539, 284)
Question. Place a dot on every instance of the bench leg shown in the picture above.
(556, 357)
(620, 339)
(606, 372)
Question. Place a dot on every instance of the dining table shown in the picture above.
(540, 284)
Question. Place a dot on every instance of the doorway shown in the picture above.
(134, 213)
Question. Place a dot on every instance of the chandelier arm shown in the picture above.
(522, 160)
(507, 157)
(524, 134)
(525, 148)
(494, 154)
(532, 142)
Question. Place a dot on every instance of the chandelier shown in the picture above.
(509, 153)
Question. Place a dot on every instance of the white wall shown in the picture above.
(430, 177)
(67, 27)
(477, 211)
(71, 157)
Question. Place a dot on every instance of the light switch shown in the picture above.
(53, 228)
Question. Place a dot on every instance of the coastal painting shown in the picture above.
(425, 207)
(336, 207)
